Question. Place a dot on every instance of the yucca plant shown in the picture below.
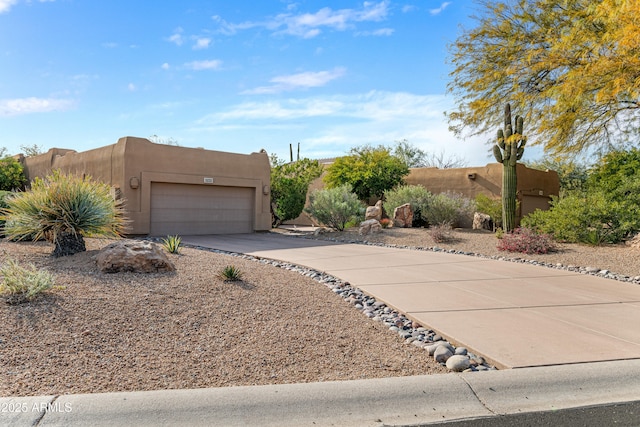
(231, 273)
(63, 209)
(172, 244)
(20, 284)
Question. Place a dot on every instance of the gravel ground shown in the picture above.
(124, 332)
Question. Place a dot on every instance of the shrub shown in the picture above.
(490, 206)
(172, 244)
(594, 217)
(11, 174)
(231, 273)
(335, 207)
(62, 209)
(20, 284)
(527, 241)
(448, 208)
(416, 195)
(441, 233)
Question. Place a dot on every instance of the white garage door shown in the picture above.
(187, 209)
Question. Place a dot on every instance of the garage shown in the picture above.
(190, 209)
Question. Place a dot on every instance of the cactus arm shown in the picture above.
(497, 153)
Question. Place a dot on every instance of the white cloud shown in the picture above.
(131, 87)
(213, 64)
(177, 37)
(202, 43)
(109, 45)
(408, 8)
(309, 25)
(379, 32)
(330, 126)
(298, 81)
(165, 66)
(19, 106)
(5, 5)
(439, 10)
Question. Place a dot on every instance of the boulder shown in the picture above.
(458, 363)
(403, 216)
(374, 212)
(482, 222)
(133, 256)
(370, 226)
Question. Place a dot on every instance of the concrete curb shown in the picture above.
(375, 402)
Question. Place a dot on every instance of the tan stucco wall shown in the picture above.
(132, 164)
(534, 187)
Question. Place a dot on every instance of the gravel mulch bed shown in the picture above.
(126, 332)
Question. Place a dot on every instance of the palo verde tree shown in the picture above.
(508, 150)
(572, 65)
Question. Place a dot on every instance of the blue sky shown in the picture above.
(230, 76)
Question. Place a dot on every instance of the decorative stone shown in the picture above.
(482, 222)
(442, 354)
(403, 216)
(370, 226)
(458, 363)
(634, 242)
(374, 212)
(133, 256)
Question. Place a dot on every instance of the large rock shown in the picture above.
(370, 226)
(403, 216)
(635, 241)
(133, 256)
(374, 212)
(482, 222)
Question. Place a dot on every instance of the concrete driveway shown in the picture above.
(515, 315)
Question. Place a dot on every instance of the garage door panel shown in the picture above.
(200, 209)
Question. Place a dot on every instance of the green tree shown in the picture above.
(370, 171)
(613, 169)
(11, 174)
(410, 155)
(289, 186)
(62, 209)
(571, 64)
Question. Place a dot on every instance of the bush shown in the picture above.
(335, 207)
(592, 218)
(20, 284)
(490, 206)
(11, 174)
(441, 233)
(385, 222)
(62, 209)
(416, 195)
(527, 241)
(449, 208)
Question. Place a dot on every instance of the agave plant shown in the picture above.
(172, 244)
(231, 273)
(63, 209)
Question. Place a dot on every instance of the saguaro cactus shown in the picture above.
(508, 150)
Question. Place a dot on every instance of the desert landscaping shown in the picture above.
(99, 332)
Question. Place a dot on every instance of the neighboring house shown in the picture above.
(170, 190)
(534, 188)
